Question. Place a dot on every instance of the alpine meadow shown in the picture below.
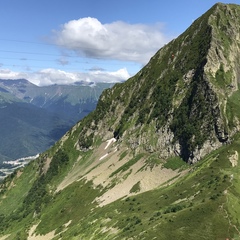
(158, 157)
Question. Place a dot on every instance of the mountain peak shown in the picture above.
(177, 104)
(14, 81)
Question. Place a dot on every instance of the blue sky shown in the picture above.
(63, 41)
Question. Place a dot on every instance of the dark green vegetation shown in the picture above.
(197, 205)
(194, 207)
(183, 106)
(175, 163)
(176, 90)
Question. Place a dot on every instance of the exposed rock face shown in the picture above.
(176, 105)
(224, 49)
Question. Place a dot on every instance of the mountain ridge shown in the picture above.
(157, 158)
(175, 60)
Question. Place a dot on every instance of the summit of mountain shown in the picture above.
(178, 103)
(157, 159)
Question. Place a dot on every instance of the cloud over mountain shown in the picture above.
(118, 40)
(88, 38)
(51, 76)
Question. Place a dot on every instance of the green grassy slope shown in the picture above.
(201, 205)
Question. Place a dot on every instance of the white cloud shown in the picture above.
(117, 40)
(8, 74)
(104, 76)
(87, 37)
(54, 76)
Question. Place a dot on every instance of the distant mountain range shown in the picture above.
(157, 159)
(33, 118)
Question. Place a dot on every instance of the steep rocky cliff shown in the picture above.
(176, 105)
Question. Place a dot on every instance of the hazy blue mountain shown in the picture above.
(32, 118)
(71, 102)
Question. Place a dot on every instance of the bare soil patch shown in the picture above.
(33, 236)
(234, 159)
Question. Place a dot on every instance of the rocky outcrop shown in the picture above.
(177, 104)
